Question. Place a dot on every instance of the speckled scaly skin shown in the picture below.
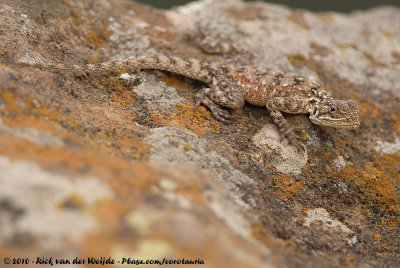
(230, 86)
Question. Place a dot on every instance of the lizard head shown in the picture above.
(336, 114)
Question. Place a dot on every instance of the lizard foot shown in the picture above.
(294, 139)
(218, 112)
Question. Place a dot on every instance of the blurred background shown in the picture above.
(314, 5)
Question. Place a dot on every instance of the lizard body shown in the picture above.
(230, 86)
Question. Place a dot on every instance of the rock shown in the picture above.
(120, 166)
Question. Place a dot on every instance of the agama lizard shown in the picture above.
(230, 86)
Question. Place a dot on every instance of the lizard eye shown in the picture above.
(332, 109)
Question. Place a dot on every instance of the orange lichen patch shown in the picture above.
(396, 124)
(301, 133)
(174, 82)
(240, 122)
(328, 158)
(373, 61)
(194, 121)
(123, 98)
(244, 12)
(109, 215)
(121, 241)
(160, 34)
(262, 234)
(368, 111)
(375, 181)
(129, 115)
(377, 237)
(157, 119)
(326, 16)
(53, 113)
(193, 192)
(89, 160)
(298, 18)
(388, 34)
(187, 147)
(93, 60)
(98, 34)
(131, 147)
(311, 178)
(137, 180)
(73, 201)
(76, 18)
(131, 186)
(43, 110)
(297, 59)
(118, 235)
(341, 143)
(112, 84)
(319, 49)
(390, 221)
(287, 187)
(12, 105)
(28, 121)
(4, 50)
(396, 56)
(342, 46)
(395, 209)
(94, 38)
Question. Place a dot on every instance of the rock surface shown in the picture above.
(120, 166)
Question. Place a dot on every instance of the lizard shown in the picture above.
(229, 86)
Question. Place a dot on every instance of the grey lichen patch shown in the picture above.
(233, 216)
(281, 155)
(131, 78)
(314, 139)
(364, 55)
(384, 147)
(38, 195)
(16, 26)
(157, 95)
(129, 43)
(168, 189)
(36, 136)
(198, 6)
(170, 145)
(227, 207)
(145, 249)
(339, 163)
(322, 216)
(141, 221)
(224, 198)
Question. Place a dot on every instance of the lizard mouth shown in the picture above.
(335, 123)
(351, 126)
(315, 112)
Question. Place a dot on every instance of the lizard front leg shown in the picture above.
(278, 105)
(222, 93)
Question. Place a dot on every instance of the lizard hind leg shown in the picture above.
(218, 112)
(225, 92)
(222, 93)
(276, 106)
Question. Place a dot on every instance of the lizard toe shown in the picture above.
(301, 138)
(226, 115)
(196, 105)
(299, 146)
(294, 139)
(221, 114)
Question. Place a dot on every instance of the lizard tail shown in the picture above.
(191, 68)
